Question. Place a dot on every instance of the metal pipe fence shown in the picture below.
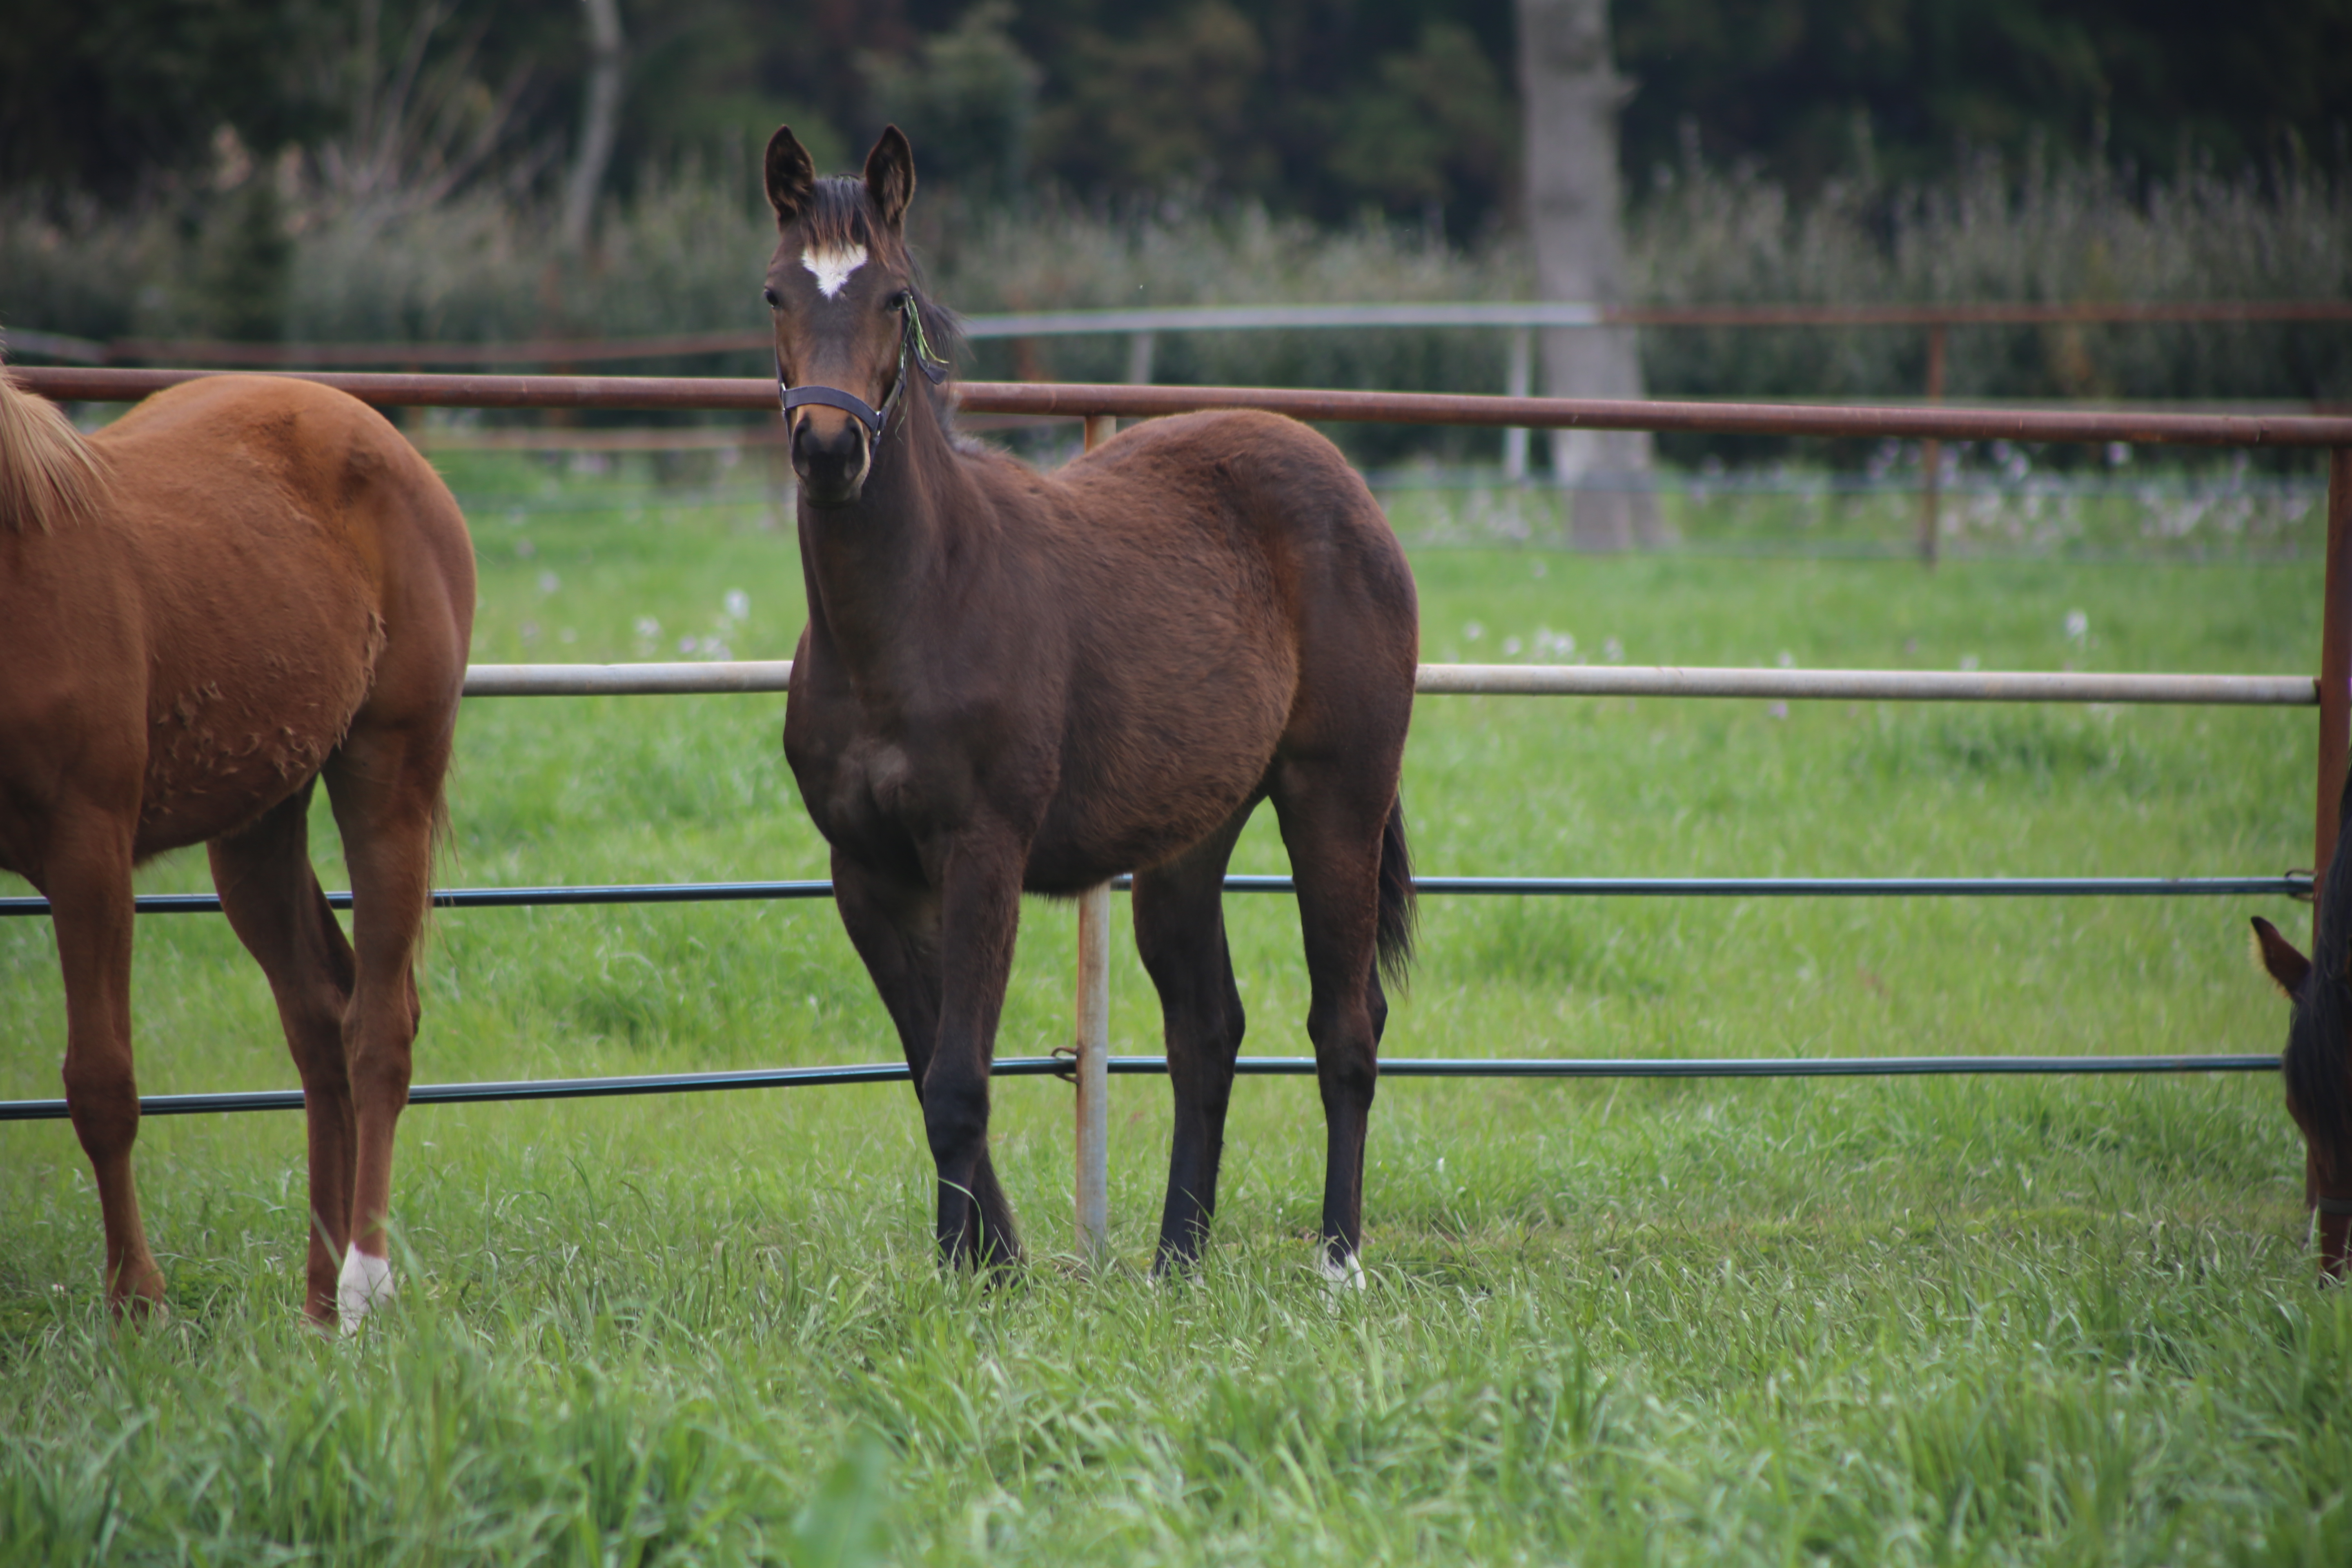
(2331, 693)
(1127, 400)
(1504, 314)
(1246, 1066)
(692, 678)
(2288, 884)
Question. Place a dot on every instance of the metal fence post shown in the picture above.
(1092, 1145)
(2334, 670)
(1518, 378)
(1931, 454)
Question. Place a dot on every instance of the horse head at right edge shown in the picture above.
(2317, 1061)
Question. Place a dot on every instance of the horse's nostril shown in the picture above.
(829, 464)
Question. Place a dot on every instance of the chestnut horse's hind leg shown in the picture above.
(1180, 931)
(385, 787)
(1333, 831)
(86, 878)
(897, 932)
(271, 896)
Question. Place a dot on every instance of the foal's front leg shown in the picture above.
(896, 929)
(979, 917)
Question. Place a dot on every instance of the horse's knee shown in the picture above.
(955, 1119)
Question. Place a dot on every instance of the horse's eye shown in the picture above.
(770, 296)
(897, 301)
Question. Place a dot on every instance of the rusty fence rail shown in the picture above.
(1510, 315)
(1129, 400)
(2331, 692)
(1520, 320)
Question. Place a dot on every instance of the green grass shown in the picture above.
(1853, 1322)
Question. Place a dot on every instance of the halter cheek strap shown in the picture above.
(2334, 1206)
(914, 346)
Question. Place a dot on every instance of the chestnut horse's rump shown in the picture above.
(242, 585)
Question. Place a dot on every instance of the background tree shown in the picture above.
(1321, 108)
(600, 114)
(1572, 93)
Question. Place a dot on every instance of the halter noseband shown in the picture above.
(913, 346)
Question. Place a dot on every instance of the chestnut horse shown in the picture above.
(1013, 680)
(2317, 1061)
(245, 583)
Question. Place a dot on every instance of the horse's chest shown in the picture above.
(865, 790)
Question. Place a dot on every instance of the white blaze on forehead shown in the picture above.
(832, 267)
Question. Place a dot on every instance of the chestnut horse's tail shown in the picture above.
(1398, 911)
(48, 473)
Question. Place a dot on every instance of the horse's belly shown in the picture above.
(247, 721)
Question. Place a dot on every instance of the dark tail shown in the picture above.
(1398, 911)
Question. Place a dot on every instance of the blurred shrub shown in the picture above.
(684, 251)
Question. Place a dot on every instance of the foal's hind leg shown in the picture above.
(271, 896)
(1180, 931)
(1332, 829)
(384, 784)
(896, 931)
(86, 876)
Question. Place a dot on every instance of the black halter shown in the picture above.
(914, 348)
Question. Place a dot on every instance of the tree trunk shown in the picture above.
(1571, 93)
(598, 113)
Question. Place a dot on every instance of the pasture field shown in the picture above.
(1927, 1322)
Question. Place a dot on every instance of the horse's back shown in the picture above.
(271, 560)
(1233, 591)
(1292, 520)
(1262, 487)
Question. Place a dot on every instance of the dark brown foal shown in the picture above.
(1019, 681)
(244, 585)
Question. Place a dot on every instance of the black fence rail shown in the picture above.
(1257, 1067)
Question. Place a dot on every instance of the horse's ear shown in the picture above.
(890, 175)
(2286, 966)
(792, 175)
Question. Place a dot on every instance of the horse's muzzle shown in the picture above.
(832, 464)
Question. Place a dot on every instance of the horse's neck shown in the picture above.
(874, 568)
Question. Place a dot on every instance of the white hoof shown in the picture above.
(1339, 1277)
(365, 1283)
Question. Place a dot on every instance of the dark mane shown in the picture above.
(2317, 1062)
(839, 213)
